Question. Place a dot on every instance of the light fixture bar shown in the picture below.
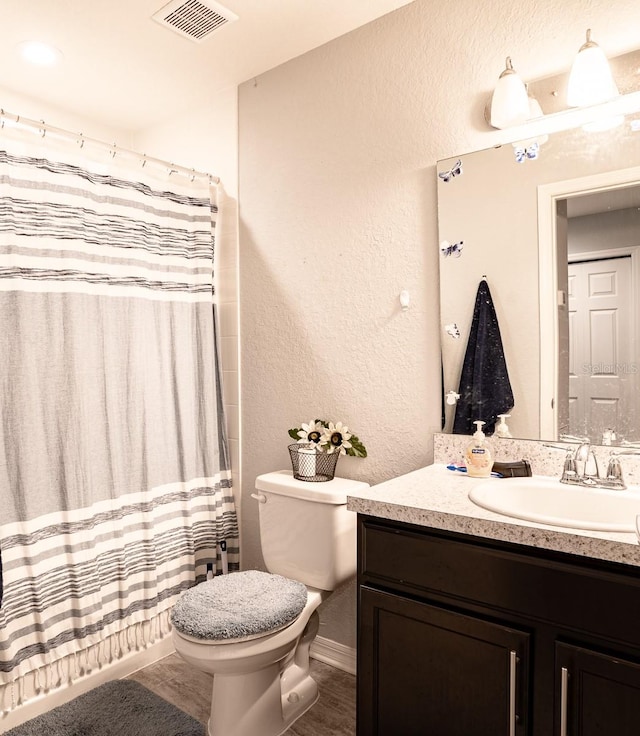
(567, 119)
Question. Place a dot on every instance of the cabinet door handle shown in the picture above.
(564, 690)
(513, 662)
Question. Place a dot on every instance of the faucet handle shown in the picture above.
(569, 471)
(615, 477)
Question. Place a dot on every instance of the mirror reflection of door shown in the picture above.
(601, 317)
(600, 339)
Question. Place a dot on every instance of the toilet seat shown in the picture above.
(238, 607)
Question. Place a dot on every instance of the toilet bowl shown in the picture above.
(261, 684)
(260, 668)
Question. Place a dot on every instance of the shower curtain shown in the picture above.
(115, 486)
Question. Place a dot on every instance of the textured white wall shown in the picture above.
(337, 153)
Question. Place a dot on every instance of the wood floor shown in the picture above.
(333, 715)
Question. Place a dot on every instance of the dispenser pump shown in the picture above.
(478, 456)
(479, 434)
(501, 428)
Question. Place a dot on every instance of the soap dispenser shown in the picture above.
(478, 456)
(502, 430)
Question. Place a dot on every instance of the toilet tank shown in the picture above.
(306, 532)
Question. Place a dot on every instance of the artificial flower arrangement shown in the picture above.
(329, 437)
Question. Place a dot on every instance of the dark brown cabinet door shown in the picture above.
(596, 694)
(427, 670)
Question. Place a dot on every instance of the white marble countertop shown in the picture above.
(438, 498)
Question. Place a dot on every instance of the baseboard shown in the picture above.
(114, 671)
(337, 655)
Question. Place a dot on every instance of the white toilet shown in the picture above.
(253, 630)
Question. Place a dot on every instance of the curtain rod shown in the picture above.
(113, 149)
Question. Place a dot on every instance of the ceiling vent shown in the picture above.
(194, 19)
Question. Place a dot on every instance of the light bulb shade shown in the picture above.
(535, 111)
(510, 102)
(590, 81)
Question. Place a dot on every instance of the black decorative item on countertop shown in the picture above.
(310, 465)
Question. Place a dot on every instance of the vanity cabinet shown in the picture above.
(442, 672)
(464, 636)
(599, 694)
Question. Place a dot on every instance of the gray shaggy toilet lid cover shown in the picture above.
(239, 605)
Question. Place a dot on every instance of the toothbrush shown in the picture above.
(462, 469)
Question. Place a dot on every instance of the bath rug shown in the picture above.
(239, 605)
(117, 708)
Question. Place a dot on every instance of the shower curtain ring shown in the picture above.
(43, 130)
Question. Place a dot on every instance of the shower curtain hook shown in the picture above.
(43, 130)
(144, 160)
(80, 141)
(192, 178)
(113, 151)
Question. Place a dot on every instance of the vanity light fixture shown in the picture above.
(590, 81)
(510, 102)
(607, 109)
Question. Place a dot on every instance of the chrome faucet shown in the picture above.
(581, 468)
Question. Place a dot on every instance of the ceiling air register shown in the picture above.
(194, 19)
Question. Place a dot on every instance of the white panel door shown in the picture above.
(601, 329)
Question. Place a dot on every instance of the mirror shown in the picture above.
(544, 229)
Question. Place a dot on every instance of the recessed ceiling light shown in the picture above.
(39, 53)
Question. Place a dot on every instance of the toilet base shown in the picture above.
(268, 701)
(246, 706)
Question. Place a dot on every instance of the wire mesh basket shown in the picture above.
(311, 465)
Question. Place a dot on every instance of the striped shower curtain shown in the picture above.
(115, 491)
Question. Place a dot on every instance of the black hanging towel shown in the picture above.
(485, 389)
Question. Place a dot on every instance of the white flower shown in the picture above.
(337, 437)
(311, 432)
(329, 437)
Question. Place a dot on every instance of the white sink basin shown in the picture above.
(547, 501)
